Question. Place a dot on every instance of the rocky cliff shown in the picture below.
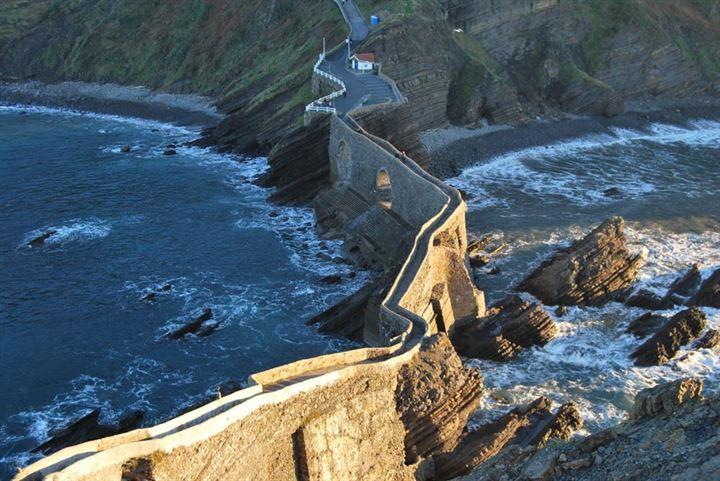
(458, 61)
(506, 61)
(252, 56)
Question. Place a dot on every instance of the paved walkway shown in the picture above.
(362, 88)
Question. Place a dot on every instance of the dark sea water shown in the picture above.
(539, 199)
(75, 334)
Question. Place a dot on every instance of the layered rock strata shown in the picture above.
(709, 292)
(510, 326)
(673, 436)
(522, 428)
(679, 330)
(592, 271)
(435, 396)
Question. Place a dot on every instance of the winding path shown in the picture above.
(362, 88)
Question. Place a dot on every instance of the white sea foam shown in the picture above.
(67, 112)
(553, 170)
(588, 362)
(76, 230)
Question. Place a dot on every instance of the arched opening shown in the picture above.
(383, 189)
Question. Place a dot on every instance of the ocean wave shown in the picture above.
(588, 362)
(78, 230)
(554, 170)
(68, 112)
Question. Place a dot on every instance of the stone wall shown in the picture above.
(331, 417)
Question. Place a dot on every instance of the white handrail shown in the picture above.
(316, 105)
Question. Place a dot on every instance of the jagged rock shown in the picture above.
(87, 428)
(510, 325)
(195, 326)
(331, 279)
(528, 426)
(435, 396)
(710, 340)
(396, 124)
(665, 398)
(647, 300)
(681, 446)
(299, 164)
(709, 293)
(646, 324)
(152, 295)
(477, 245)
(480, 260)
(40, 240)
(685, 285)
(347, 317)
(682, 328)
(592, 271)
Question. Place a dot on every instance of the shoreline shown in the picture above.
(455, 148)
(138, 102)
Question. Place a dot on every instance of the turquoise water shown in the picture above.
(75, 334)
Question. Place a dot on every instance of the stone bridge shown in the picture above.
(332, 417)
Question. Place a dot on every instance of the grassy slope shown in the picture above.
(215, 47)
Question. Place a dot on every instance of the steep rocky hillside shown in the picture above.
(253, 55)
(509, 60)
(458, 61)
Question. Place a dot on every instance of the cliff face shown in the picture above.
(510, 60)
(253, 56)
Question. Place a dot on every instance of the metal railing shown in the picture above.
(317, 105)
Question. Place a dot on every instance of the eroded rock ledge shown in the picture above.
(510, 325)
(672, 435)
(592, 271)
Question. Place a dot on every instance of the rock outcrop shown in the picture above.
(682, 328)
(665, 398)
(674, 438)
(709, 292)
(677, 293)
(299, 164)
(88, 428)
(197, 326)
(435, 396)
(347, 317)
(646, 324)
(592, 271)
(39, 240)
(395, 123)
(710, 340)
(510, 325)
(522, 428)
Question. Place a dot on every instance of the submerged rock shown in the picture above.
(510, 325)
(195, 326)
(682, 328)
(87, 428)
(40, 240)
(612, 192)
(125, 149)
(665, 398)
(646, 299)
(593, 271)
(331, 279)
(152, 295)
(709, 293)
(646, 324)
(710, 340)
(169, 152)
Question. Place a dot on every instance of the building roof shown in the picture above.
(365, 57)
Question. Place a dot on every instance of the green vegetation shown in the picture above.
(255, 48)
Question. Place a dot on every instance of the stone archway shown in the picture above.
(383, 189)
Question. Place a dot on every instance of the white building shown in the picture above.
(363, 62)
